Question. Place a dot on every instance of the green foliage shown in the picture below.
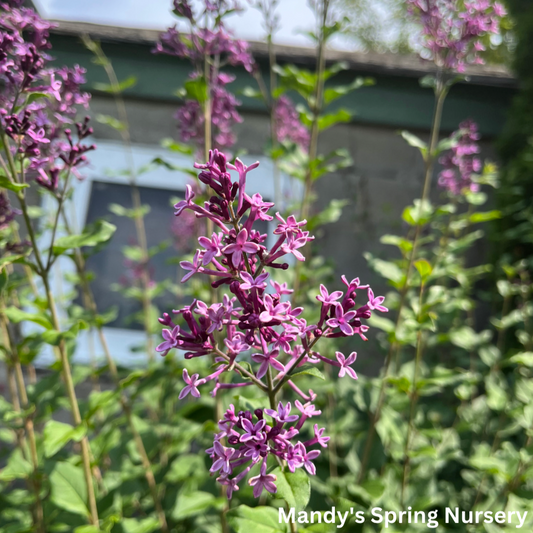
(294, 488)
(244, 519)
(97, 233)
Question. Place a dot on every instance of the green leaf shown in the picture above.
(54, 337)
(387, 269)
(301, 80)
(294, 488)
(16, 316)
(69, 491)
(415, 142)
(309, 370)
(6, 183)
(174, 146)
(58, 434)
(250, 92)
(418, 214)
(122, 86)
(122, 211)
(385, 324)
(36, 95)
(505, 288)
(196, 89)
(110, 315)
(193, 503)
(374, 487)
(329, 215)
(428, 82)
(110, 121)
(489, 354)
(424, 269)
(484, 217)
(333, 93)
(523, 358)
(475, 198)
(329, 120)
(4, 278)
(132, 525)
(17, 467)
(97, 233)
(403, 244)
(496, 395)
(9, 259)
(261, 519)
(133, 377)
(88, 529)
(465, 337)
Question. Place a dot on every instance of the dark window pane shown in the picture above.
(110, 266)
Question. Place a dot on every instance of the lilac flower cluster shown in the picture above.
(208, 43)
(205, 42)
(39, 103)
(251, 439)
(453, 30)
(460, 163)
(257, 317)
(224, 115)
(288, 124)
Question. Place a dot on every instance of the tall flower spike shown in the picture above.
(258, 319)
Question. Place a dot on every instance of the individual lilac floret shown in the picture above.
(192, 385)
(263, 481)
(282, 414)
(251, 440)
(344, 363)
(171, 340)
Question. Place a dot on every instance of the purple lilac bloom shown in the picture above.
(288, 124)
(208, 41)
(256, 320)
(41, 129)
(460, 162)
(453, 31)
(224, 115)
(251, 440)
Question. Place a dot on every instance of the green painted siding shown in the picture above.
(395, 101)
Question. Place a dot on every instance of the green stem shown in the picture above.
(316, 110)
(413, 400)
(140, 227)
(126, 404)
(440, 96)
(38, 515)
(294, 367)
(69, 384)
(67, 375)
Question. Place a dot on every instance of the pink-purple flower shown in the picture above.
(452, 31)
(192, 384)
(259, 320)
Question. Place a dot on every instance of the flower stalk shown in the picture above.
(90, 305)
